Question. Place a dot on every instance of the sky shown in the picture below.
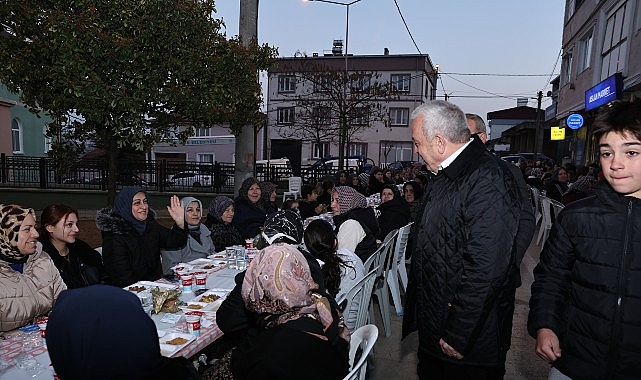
(516, 41)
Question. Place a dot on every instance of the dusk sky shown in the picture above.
(516, 39)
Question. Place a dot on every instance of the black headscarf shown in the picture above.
(122, 205)
(244, 189)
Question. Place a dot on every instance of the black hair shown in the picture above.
(306, 190)
(320, 241)
(619, 116)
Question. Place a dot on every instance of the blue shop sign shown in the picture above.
(606, 91)
(574, 121)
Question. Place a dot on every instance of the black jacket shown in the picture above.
(587, 287)
(461, 285)
(366, 217)
(395, 213)
(83, 268)
(129, 256)
(249, 218)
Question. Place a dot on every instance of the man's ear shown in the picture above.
(440, 143)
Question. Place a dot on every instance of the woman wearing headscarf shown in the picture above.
(78, 263)
(395, 212)
(268, 196)
(375, 182)
(199, 243)
(294, 323)
(356, 224)
(102, 332)
(250, 210)
(29, 281)
(342, 269)
(558, 185)
(413, 194)
(132, 238)
(579, 189)
(355, 182)
(219, 217)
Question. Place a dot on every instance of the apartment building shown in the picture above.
(601, 62)
(412, 76)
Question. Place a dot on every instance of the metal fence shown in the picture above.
(160, 175)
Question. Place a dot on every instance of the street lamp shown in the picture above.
(343, 132)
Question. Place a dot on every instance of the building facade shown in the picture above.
(207, 145)
(601, 62)
(26, 129)
(385, 140)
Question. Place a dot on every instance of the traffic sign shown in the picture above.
(574, 121)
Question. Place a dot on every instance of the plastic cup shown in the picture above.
(249, 243)
(201, 280)
(240, 261)
(187, 280)
(42, 324)
(193, 324)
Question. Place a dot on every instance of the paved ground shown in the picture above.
(394, 359)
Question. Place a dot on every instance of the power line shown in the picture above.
(479, 89)
(500, 75)
(406, 27)
(553, 70)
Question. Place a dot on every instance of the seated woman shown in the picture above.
(102, 332)
(342, 269)
(355, 182)
(268, 196)
(132, 238)
(375, 182)
(308, 205)
(219, 217)
(250, 211)
(413, 194)
(356, 224)
(199, 243)
(395, 212)
(295, 324)
(29, 281)
(78, 263)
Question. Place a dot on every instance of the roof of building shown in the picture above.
(517, 113)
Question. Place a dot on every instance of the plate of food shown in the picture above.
(218, 256)
(146, 286)
(173, 342)
(212, 298)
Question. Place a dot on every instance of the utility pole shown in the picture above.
(245, 152)
(538, 139)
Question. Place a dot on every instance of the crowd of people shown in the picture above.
(473, 221)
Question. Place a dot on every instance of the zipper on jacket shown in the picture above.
(616, 321)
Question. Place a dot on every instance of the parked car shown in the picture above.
(329, 165)
(402, 164)
(515, 159)
(190, 179)
(540, 156)
(122, 179)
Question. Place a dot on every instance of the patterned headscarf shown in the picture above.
(218, 205)
(122, 205)
(278, 285)
(283, 224)
(583, 183)
(349, 198)
(11, 217)
(266, 190)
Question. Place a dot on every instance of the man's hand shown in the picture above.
(547, 345)
(449, 350)
(176, 211)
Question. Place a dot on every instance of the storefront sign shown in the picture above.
(574, 121)
(550, 112)
(608, 90)
(558, 133)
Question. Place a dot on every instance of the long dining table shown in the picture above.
(24, 356)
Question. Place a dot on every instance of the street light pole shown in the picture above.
(342, 138)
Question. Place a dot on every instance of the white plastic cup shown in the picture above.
(187, 280)
(193, 324)
(201, 280)
(240, 260)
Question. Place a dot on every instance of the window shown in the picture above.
(358, 149)
(323, 83)
(47, 139)
(615, 41)
(566, 68)
(400, 82)
(202, 132)
(16, 136)
(286, 83)
(208, 158)
(322, 115)
(399, 116)
(573, 5)
(362, 83)
(360, 117)
(286, 115)
(392, 151)
(585, 52)
(320, 150)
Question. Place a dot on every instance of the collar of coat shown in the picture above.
(468, 156)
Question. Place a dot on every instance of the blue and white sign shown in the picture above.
(608, 90)
(574, 121)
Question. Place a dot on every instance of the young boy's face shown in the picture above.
(620, 156)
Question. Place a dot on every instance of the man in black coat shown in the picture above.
(461, 291)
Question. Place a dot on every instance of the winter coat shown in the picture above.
(192, 251)
(462, 285)
(587, 287)
(129, 256)
(248, 218)
(84, 266)
(395, 213)
(225, 235)
(367, 220)
(27, 295)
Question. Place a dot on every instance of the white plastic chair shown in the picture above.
(99, 250)
(383, 260)
(556, 207)
(536, 204)
(365, 338)
(358, 297)
(398, 273)
(295, 184)
(546, 220)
